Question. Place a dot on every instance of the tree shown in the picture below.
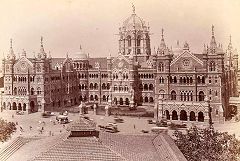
(6, 129)
(207, 145)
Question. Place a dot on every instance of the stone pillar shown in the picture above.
(170, 117)
(94, 109)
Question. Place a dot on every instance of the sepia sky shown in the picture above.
(65, 24)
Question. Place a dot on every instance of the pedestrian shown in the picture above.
(134, 126)
(12, 115)
(16, 123)
(63, 126)
(60, 131)
(30, 128)
(21, 129)
(42, 128)
(50, 133)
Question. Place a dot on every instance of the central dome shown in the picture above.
(79, 55)
(133, 21)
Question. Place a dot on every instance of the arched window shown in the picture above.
(129, 41)
(192, 116)
(104, 98)
(151, 99)
(200, 117)
(103, 86)
(150, 87)
(203, 80)
(146, 99)
(175, 79)
(138, 40)
(173, 95)
(32, 91)
(161, 67)
(95, 86)
(96, 97)
(91, 98)
(15, 91)
(91, 86)
(201, 96)
(212, 66)
(145, 87)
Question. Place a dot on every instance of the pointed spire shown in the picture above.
(41, 42)
(212, 31)
(162, 44)
(133, 8)
(11, 43)
(162, 33)
(80, 47)
(230, 38)
(67, 55)
(178, 43)
(213, 44)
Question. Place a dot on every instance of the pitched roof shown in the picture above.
(82, 125)
(79, 148)
(102, 62)
(143, 147)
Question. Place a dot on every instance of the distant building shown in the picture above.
(187, 83)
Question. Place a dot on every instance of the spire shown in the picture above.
(213, 44)
(11, 54)
(212, 31)
(11, 43)
(67, 55)
(80, 47)
(230, 43)
(133, 8)
(162, 44)
(41, 48)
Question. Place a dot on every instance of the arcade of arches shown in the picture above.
(19, 106)
(184, 116)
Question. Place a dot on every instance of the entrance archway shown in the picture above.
(200, 117)
(32, 106)
(115, 100)
(174, 115)
(183, 115)
(9, 106)
(14, 106)
(24, 107)
(167, 115)
(20, 107)
(121, 101)
(127, 101)
(192, 116)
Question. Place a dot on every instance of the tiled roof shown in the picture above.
(143, 147)
(82, 125)
(102, 62)
(79, 148)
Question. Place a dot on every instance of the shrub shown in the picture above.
(6, 130)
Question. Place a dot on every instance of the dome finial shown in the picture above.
(133, 8)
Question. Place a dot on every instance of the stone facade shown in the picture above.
(188, 84)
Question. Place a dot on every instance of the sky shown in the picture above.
(93, 24)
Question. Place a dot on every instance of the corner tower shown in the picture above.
(134, 38)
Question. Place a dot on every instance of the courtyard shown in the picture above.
(34, 125)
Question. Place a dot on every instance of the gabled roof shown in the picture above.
(191, 55)
(120, 56)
